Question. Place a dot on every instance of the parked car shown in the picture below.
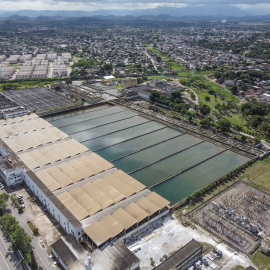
(20, 201)
(22, 205)
(19, 196)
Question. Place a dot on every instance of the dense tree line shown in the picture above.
(87, 63)
(260, 50)
(248, 76)
(235, 47)
(20, 239)
(257, 114)
(255, 108)
(173, 101)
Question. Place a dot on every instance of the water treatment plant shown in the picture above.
(171, 162)
(111, 173)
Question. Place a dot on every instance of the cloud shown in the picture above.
(122, 4)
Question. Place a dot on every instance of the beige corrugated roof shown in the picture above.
(97, 233)
(137, 212)
(108, 190)
(147, 206)
(110, 224)
(97, 195)
(87, 202)
(33, 140)
(73, 206)
(48, 181)
(91, 163)
(50, 153)
(68, 170)
(30, 162)
(124, 218)
(130, 181)
(13, 145)
(102, 162)
(16, 126)
(112, 180)
(157, 200)
(80, 168)
(59, 176)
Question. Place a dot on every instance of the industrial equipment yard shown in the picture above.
(238, 215)
(166, 236)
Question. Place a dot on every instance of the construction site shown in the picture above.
(240, 216)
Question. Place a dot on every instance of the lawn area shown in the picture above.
(175, 66)
(185, 74)
(202, 86)
(165, 58)
(118, 87)
(238, 267)
(159, 77)
(261, 261)
(259, 175)
(208, 85)
(33, 228)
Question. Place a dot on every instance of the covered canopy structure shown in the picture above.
(121, 221)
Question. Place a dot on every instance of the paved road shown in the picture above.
(8, 259)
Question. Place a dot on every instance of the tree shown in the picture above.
(234, 89)
(204, 109)
(3, 199)
(208, 121)
(207, 98)
(223, 125)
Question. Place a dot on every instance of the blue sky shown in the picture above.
(258, 6)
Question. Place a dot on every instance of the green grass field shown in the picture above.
(165, 58)
(260, 260)
(202, 86)
(238, 267)
(259, 174)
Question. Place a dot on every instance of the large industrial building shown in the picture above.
(86, 194)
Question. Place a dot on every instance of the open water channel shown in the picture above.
(149, 151)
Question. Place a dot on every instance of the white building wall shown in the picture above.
(55, 212)
(14, 114)
(14, 177)
(3, 151)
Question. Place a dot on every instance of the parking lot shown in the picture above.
(48, 229)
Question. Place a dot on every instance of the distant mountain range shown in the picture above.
(205, 10)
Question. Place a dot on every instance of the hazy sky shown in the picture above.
(255, 5)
